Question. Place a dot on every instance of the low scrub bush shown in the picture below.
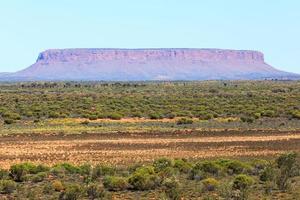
(85, 169)
(182, 165)
(67, 167)
(39, 177)
(72, 192)
(210, 184)
(47, 188)
(243, 182)
(268, 174)
(259, 165)
(115, 116)
(144, 178)
(103, 170)
(12, 116)
(210, 167)
(296, 114)
(171, 188)
(9, 121)
(7, 186)
(95, 191)
(162, 163)
(114, 183)
(19, 171)
(247, 119)
(288, 168)
(57, 186)
(168, 172)
(205, 116)
(269, 113)
(4, 174)
(225, 190)
(54, 115)
(236, 167)
(155, 116)
(170, 115)
(183, 121)
(92, 117)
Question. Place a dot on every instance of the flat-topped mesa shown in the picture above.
(89, 55)
(149, 64)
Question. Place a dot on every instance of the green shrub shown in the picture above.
(41, 168)
(170, 183)
(39, 177)
(144, 178)
(259, 164)
(257, 115)
(287, 160)
(58, 171)
(182, 165)
(4, 174)
(19, 171)
(268, 187)
(54, 115)
(225, 190)
(237, 167)
(114, 183)
(134, 167)
(92, 117)
(183, 121)
(9, 121)
(296, 114)
(210, 184)
(171, 188)
(170, 115)
(145, 170)
(242, 182)
(168, 172)
(103, 170)
(210, 167)
(249, 120)
(57, 185)
(72, 192)
(288, 168)
(205, 116)
(203, 168)
(269, 113)
(47, 188)
(7, 186)
(268, 174)
(155, 116)
(115, 116)
(162, 163)
(95, 191)
(12, 116)
(67, 167)
(85, 169)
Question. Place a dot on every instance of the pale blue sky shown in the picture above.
(31, 26)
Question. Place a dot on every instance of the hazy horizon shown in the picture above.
(31, 27)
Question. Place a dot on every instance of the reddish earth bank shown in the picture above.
(128, 148)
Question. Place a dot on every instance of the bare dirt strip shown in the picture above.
(123, 148)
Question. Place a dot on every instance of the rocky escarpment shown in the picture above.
(81, 55)
(149, 64)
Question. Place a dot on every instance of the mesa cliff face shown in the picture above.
(71, 55)
(149, 64)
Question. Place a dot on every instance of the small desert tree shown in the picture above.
(288, 168)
